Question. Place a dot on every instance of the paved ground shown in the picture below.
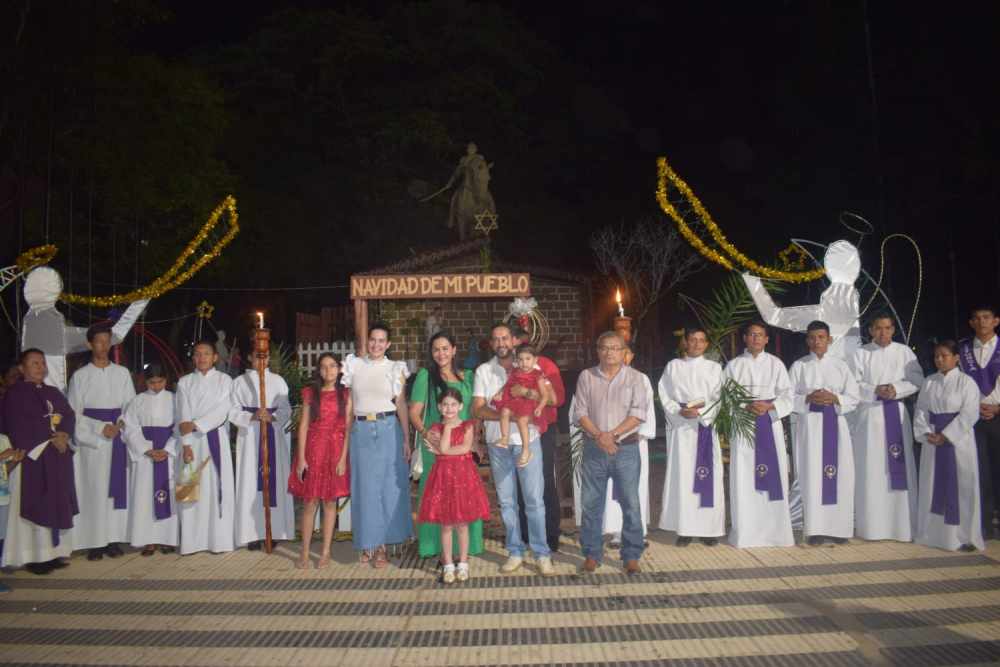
(864, 603)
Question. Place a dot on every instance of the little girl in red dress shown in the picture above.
(454, 495)
(322, 471)
(525, 408)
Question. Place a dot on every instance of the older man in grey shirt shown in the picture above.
(610, 406)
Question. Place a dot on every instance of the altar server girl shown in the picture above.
(947, 409)
(151, 435)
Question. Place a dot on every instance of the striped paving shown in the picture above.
(860, 604)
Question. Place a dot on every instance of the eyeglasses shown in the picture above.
(605, 348)
(756, 334)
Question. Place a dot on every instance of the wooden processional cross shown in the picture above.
(430, 287)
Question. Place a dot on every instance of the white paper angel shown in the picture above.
(45, 328)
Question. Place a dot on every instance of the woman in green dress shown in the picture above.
(442, 371)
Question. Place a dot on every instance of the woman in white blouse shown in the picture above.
(380, 450)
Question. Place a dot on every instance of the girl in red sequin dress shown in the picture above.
(322, 471)
(525, 408)
(454, 495)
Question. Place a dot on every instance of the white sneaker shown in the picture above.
(512, 565)
(545, 567)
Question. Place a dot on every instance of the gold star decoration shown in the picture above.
(486, 228)
(786, 257)
(205, 310)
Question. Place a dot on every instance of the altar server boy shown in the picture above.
(203, 401)
(825, 390)
(693, 499)
(248, 415)
(151, 434)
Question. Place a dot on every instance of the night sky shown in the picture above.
(780, 115)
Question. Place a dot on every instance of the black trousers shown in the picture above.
(553, 506)
(988, 447)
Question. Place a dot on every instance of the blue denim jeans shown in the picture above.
(381, 510)
(623, 469)
(532, 481)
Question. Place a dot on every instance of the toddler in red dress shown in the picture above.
(454, 495)
(322, 470)
(525, 408)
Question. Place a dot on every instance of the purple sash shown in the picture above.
(159, 436)
(118, 486)
(944, 498)
(767, 474)
(215, 449)
(831, 433)
(272, 459)
(704, 470)
(894, 443)
(985, 376)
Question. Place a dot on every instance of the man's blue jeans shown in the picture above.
(503, 464)
(623, 469)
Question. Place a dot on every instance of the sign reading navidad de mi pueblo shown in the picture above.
(440, 286)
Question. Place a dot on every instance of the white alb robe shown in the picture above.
(757, 520)
(683, 381)
(807, 375)
(205, 399)
(880, 512)
(612, 508)
(249, 518)
(954, 392)
(27, 542)
(98, 523)
(151, 409)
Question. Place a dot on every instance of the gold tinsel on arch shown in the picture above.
(184, 267)
(672, 192)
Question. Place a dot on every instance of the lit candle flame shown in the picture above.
(618, 296)
(260, 320)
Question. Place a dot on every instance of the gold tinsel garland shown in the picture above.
(35, 257)
(735, 257)
(177, 273)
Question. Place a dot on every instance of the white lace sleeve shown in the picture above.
(396, 369)
(348, 370)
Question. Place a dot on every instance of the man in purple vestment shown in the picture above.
(35, 413)
(979, 358)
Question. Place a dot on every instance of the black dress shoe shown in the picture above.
(254, 546)
(38, 568)
(683, 541)
(709, 541)
(57, 564)
(167, 549)
(815, 540)
(95, 554)
(554, 546)
(148, 552)
(839, 540)
(967, 548)
(114, 550)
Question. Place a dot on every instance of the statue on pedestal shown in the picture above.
(472, 196)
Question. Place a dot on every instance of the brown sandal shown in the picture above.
(502, 443)
(381, 559)
(523, 460)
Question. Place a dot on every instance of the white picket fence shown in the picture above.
(308, 354)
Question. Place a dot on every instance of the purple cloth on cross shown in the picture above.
(118, 484)
(944, 496)
(704, 469)
(48, 487)
(767, 474)
(160, 436)
(894, 443)
(272, 459)
(831, 433)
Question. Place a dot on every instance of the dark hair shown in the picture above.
(693, 329)
(504, 325)
(378, 326)
(433, 370)
(991, 309)
(517, 331)
(450, 392)
(97, 329)
(757, 323)
(436, 308)
(526, 347)
(204, 342)
(818, 325)
(881, 315)
(317, 386)
(24, 354)
(154, 370)
(948, 343)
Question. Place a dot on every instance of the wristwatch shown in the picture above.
(617, 438)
